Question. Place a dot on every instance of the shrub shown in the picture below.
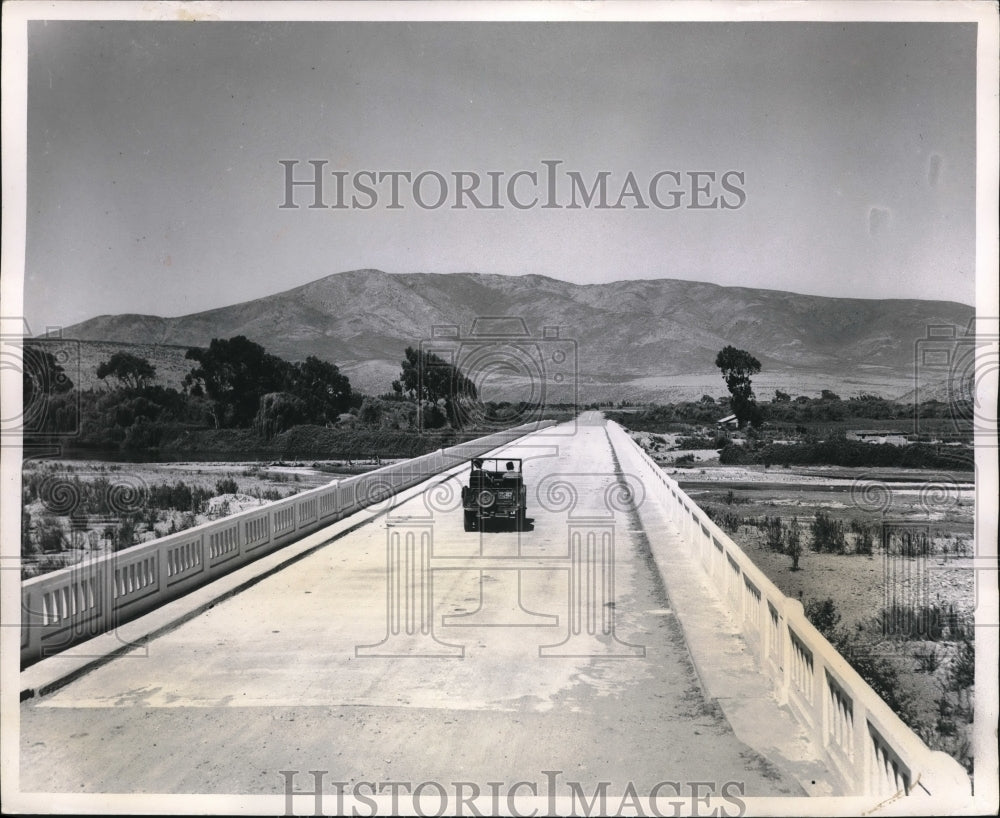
(881, 675)
(226, 486)
(828, 534)
(774, 532)
(731, 522)
(864, 537)
(841, 452)
(702, 442)
(962, 673)
(49, 534)
(927, 660)
(726, 520)
(824, 616)
(179, 496)
(793, 542)
(945, 724)
(735, 455)
(125, 535)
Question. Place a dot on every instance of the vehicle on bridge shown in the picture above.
(495, 492)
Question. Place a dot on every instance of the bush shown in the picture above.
(226, 486)
(842, 452)
(125, 535)
(433, 416)
(179, 496)
(774, 532)
(864, 537)
(881, 675)
(735, 455)
(49, 534)
(702, 442)
(731, 522)
(793, 542)
(927, 660)
(945, 724)
(823, 615)
(828, 534)
(732, 498)
(726, 520)
(962, 673)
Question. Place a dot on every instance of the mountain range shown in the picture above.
(643, 339)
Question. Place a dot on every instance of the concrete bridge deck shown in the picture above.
(273, 678)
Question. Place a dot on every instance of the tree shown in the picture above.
(278, 412)
(325, 391)
(781, 397)
(793, 543)
(962, 673)
(737, 366)
(234, 374)
(131, 371)
(42, 374)
(428, 377)
(826, 394)
(370, 412)
(45, 387)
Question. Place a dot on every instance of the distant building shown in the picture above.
(728, 422)
(878, 436)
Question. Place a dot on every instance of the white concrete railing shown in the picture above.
(79, 602)
(867, 745)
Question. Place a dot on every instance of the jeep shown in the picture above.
(495, 492)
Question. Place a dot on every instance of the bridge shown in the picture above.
(355, 639)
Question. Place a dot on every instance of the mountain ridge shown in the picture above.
(626, 332)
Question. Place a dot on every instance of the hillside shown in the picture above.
(638, 339)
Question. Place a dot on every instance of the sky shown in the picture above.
(155, 184)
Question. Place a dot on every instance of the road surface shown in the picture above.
(297, 672)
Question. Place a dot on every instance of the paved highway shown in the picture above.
(510, 670)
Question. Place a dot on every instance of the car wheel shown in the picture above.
(470, 521)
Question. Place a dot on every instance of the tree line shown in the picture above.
(233, 384)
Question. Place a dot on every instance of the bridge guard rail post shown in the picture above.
(62, 608)
(868, 746)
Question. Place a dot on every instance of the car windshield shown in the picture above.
(497, 465)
